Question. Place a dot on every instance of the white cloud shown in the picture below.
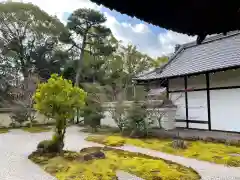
(138, 34)
(169, 39)
(146, 41)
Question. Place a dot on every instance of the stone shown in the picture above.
(179, 144)
(94, 155)
(235, 154)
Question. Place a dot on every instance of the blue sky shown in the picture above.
(124, 18)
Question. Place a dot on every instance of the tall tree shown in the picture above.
(87, 34)
(126, 63)
(24, 28)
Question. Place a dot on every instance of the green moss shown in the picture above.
(5, 130)
(109, 141)
(69, 166)
(36, 129)
(206, 151)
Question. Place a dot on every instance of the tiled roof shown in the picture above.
(216, 52)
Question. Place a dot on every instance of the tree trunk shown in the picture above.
(79, 69)
(61, 134)
(80, 61)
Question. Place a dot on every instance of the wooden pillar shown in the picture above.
(208, 101)
(186, 100)
(167, 88)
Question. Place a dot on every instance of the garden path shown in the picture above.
(16, 145)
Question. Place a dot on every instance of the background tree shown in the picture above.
(22, 101)
(87, 34)
(50, 61)
(122, 66)
(24, 29)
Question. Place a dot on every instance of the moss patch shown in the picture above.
(107, 140)
(37, 129)
(206, 151)
(4, 130)
(69, 166)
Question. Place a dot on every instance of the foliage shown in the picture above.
(119, 115)
(20, 115)
(48, 146)
(145, 167)
(131, 118)
(160, 61)
(121, 67)
(136, 117)
(23, 36)
(58, 99)
(22, 100)
(93, 111)
(213, 152)
(86, 26)
(91, 69)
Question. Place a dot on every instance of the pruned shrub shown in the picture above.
(93, 111)
(19, 115)
(119, 116)
(43, 146)
(49, 146)
(58, 99)
(136, 117)
(22, 114)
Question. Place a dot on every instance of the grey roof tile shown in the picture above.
(215, 52)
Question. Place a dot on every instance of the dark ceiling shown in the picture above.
(192, 17)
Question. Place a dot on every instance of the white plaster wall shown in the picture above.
(176, 84)
(225, 104)
(181, 124)
(179, 100)
(224, 79)
(155, 85)
(196, 82)
(197, 106)
(198, 126)
(225, 109)
(108, 120)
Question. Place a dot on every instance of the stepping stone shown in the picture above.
(235, 154)
(122, 175)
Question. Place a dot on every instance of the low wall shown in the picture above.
(5, 113)
(5, 119)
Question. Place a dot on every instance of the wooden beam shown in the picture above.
(192, 121)
(205, 89)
